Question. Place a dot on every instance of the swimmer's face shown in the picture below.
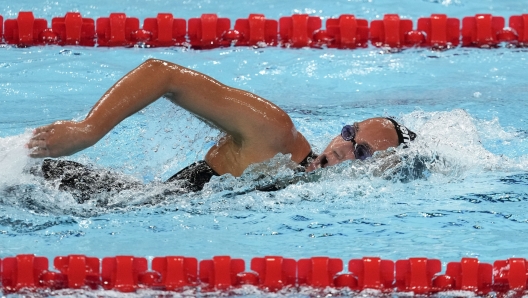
(375, 134)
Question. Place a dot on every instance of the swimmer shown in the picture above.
(255, 129)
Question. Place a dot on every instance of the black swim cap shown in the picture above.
(405, 135)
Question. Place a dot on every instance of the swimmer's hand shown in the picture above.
(59, 139)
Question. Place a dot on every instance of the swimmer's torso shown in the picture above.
(227, 156)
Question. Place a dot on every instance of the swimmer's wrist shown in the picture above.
(91, 133)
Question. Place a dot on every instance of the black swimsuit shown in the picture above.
(83, 181)
(196, 175)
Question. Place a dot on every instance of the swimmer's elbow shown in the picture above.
(166, 74)
(155, 62)
(160, 67)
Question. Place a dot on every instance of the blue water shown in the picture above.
(467, 106)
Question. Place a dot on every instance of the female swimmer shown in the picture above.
(255, 129)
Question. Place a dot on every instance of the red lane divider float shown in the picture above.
(520, 25)
(23, 271)
(440, 31)
(256, 30)
(117, 31)
(72, 29)
(345, 32)
(417, 275)
(274, 273)
(270, 273)
(483, 30)
(297, 31)
(208, 31)
(390, 32)
(123, 273)
(220, 272)
(25, 30)
(79, 271)
(510, 274)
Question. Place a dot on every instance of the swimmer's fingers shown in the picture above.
(36, 138)
(37, 145)
(42, 129)
(40, 135)
(39, 153)
(38, 148)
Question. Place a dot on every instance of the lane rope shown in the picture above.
(208, 31)
(27, 272)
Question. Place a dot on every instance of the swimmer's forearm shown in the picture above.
(239, 113)
(130, 94)
(193, 91)
(243, 115)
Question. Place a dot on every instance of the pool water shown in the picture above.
(466, 105)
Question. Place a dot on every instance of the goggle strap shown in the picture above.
(405, 136)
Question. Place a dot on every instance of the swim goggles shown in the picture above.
(348, 133)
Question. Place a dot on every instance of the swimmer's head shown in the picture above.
(361, 139)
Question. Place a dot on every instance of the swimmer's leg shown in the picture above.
(82, 181)
(194, 176)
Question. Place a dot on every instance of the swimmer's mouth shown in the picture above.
(324, 162)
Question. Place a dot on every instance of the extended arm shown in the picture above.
(243, 115)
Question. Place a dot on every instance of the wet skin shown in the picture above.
(377, 134)
(255, 128)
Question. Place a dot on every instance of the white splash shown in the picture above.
(14, 159)
(457, 136)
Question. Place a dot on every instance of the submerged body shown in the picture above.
(255, 129)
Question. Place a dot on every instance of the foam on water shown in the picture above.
(458, 137)
(449, 148)
(13, 160)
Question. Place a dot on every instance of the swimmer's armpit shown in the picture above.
(169, 95)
